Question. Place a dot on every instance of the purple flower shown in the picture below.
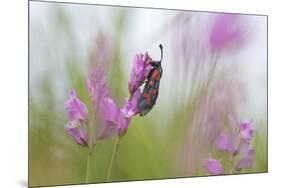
(222, 142)
(139, 72)
(247, 160)
(130, 109)
(127, 112)
(79, 132)
(225, 32)
(226, 142)
(247, 130)
(97, 87)
(233, 142)
(123, 124)
(116, 120)
(77, 119)
(110, 113)
(213, 166)
(76, 108)
(237, 142)
(234, 137)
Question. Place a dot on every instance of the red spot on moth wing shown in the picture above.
(147, 99)
(155, 73)
(151, 83)
(154, 91)
(157, 77)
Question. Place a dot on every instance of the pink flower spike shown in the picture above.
(97, 87)
(139, 72)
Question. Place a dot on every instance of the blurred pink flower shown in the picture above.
(237, 142)
(77, 119)
(247, 161)
(97, 87)
(209, 110)
(102, 51)
(213, 166)
(240, 132)
(222, 141)
(247, 130)
(226, 32)
(106, 111)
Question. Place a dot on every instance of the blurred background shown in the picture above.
(203, 80)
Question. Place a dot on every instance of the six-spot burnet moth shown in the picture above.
(151, 89)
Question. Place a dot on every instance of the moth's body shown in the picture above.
(151, 89)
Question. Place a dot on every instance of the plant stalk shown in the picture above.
(88, 167)
(113, 156)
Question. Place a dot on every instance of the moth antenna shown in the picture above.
(161, 49)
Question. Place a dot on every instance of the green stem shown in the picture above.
(91, 145)
(88, 166)
(233, 169)
(115, 148)
(89, 162)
